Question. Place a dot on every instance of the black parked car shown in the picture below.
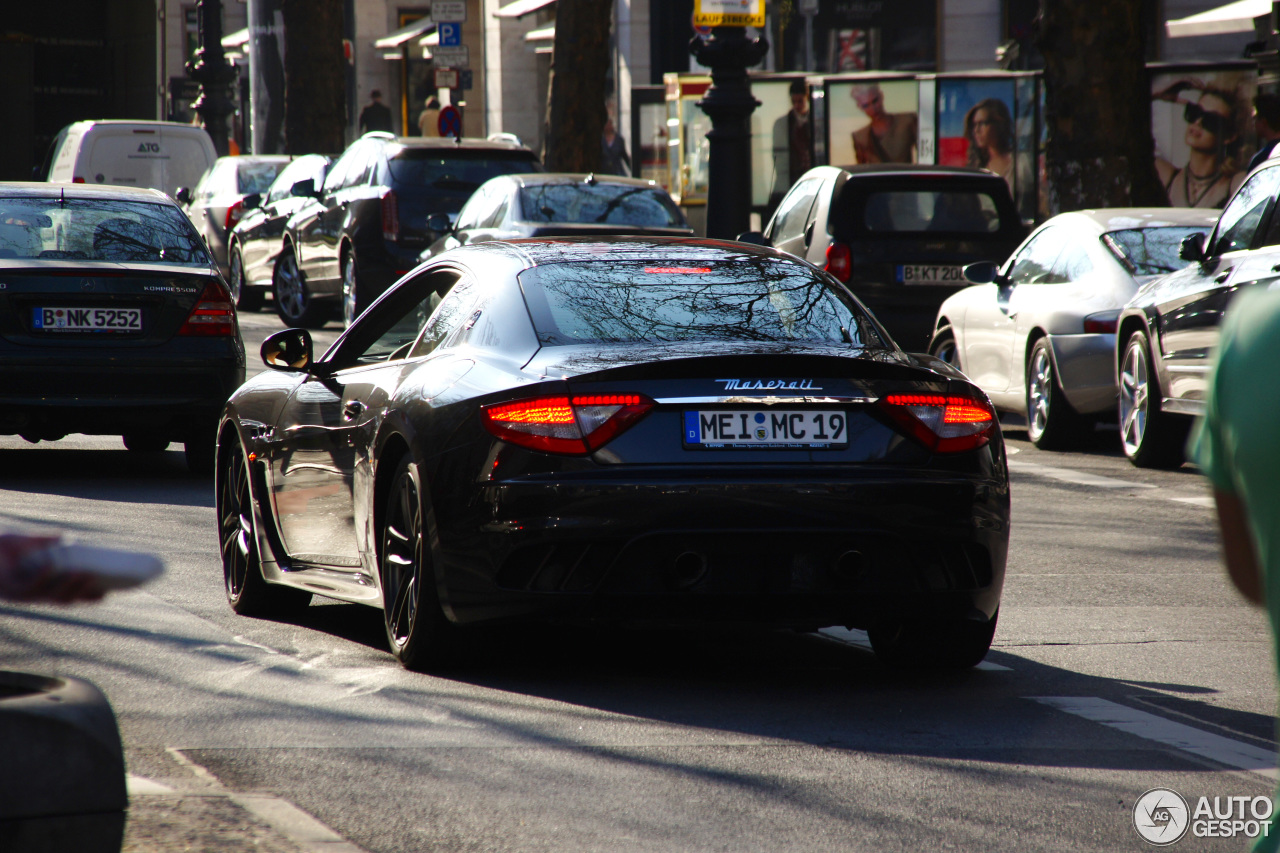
(365, 227)
(255, 242)
(1168, 331)
(671, 430)
(553, 204)
(898, 235)
(113, 320)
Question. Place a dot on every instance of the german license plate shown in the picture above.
(87, 319)
(738, 428)
(930, 274)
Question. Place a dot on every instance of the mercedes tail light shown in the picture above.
(839, 261)
(234, 214)
(390, 217)
(944, 423)
(214, 314)
(571, 424)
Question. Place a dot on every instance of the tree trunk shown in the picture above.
(579, 71)
(315, 103)
(1099, 151)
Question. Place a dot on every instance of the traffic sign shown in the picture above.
(446, 78)
(449, 33)
(464, 79)
(728, 13)
(450, 122)
(451, 57)
(449, 10)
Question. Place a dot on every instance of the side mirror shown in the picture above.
(252, 201)
(439, 223)
(306, 189)
(983, 272)
(1192, 248)
(183, 195)
(289, 350)
(753, 237)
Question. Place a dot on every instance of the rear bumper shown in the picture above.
(780, 553)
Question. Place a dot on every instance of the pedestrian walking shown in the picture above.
(375, 116)
(429, 120)
(614, 159)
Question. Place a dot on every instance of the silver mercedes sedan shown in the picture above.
(1038, 333)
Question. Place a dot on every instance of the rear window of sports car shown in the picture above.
(749, 299)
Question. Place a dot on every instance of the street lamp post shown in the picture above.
(211, 71)
(729, 104)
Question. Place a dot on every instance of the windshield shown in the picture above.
(256, 177)
(1150, 251)
(98, 230)
(454, 175)
(750, 299)
(615, 204)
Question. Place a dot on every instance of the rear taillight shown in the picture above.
(839, 261)
(234, 213)
(1103, 323)
(943, 423)
(214, 314)
(77, 180)
(576, 424)
(390, 217)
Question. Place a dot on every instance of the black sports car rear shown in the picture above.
(665, 430)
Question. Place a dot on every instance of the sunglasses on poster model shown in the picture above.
(1213, 122)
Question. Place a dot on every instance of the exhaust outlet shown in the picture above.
(849, 565)
(689, 568)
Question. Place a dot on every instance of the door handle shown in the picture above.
(1276, 268)
(352, 410)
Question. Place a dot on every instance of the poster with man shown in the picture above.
(873, 121)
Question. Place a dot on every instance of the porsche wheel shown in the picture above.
(943, 347)
(417, 631)
(247, 592)
(1051, 422)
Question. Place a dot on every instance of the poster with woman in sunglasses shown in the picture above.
(1202, 124)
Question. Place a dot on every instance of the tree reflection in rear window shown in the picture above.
(98, 230)
(749, 299)
(1150, 251)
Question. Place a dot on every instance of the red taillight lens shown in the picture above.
(234, 213)
(839, 261)
(77, 180)
(1102, 324)
(943, 423)
(390, 217)
(214, 314)
(573, 425)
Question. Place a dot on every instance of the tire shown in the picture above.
(943, 347)
(141, 442)
(418, 633)
(1051, 422)
(294, 304)
(1151, 437)
(247, 592)
(246, 298)
(923, 643)
(353, 298)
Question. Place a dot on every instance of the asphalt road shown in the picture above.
(1123, 662)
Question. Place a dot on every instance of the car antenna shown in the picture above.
(62, 196)
(591, 179)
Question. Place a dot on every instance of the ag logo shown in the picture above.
(1161, 816)
(148, 147)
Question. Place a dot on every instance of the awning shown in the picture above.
(1232, 18)
(236, 40)
(521, 7)
(403, 34)
(431, 40)
(547, 33)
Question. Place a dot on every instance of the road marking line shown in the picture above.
(1207, 501)
(140, 785)
(858, 639)
(1080, 478)
(1198, 742)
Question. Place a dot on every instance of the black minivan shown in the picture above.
(365, 227)
(898, 235)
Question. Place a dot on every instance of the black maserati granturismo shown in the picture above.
(667, 430)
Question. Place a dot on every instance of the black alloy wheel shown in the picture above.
(943, 347)
(931, 642)
(1151, 437)
(246, 298)
(294, 304)
(247, 592)
(417, 631)
(1052, 424)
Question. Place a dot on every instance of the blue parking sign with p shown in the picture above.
(450, 33)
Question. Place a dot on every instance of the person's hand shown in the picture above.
(19, 583)
(1173, 90)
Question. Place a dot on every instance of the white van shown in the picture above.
(162, 155)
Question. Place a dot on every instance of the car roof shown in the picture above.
(1122, 218)
(33, 189)
(446, 142)
(915, 169)
(129, 122)
(539, 178)
(536, 251)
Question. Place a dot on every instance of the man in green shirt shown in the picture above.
(1235, 446)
